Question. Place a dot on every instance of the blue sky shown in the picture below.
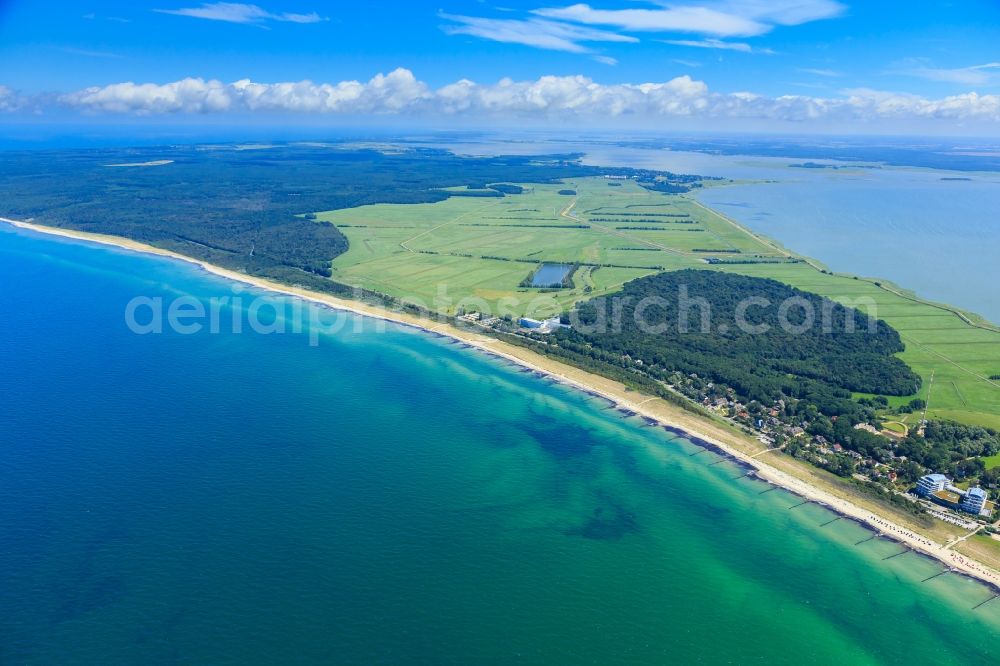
(823, 63)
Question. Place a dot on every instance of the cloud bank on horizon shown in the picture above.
(815, 64)
(401, 93)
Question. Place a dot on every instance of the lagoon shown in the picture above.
(925, 230)
(928, 230)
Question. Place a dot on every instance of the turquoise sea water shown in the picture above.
(390, 497)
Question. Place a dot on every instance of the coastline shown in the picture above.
(740, 448)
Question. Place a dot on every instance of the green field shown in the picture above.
(896, 427)
(992, 461)
(474, 252)
(480, 249)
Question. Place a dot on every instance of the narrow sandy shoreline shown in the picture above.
(654, 409)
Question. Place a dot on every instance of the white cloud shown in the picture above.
(564, 28)
(605, 60)
(813, 86)
(237, 12)
(390, 93)
(117, 19)
(187, 95)
(700, 20)
(396, 92)
(711, 44)
(974, 75)
(732, 18)
(535, 32)
(786, 12)
(87, 53)
(827, 73)
(10, 100)
(557, 98)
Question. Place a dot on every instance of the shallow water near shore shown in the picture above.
(391, 496)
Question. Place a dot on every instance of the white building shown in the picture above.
(974, 500)
(971, 501)
(932, 483)
(543, 326)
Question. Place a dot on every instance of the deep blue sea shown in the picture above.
(391, 497)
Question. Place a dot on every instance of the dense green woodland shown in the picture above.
(244, 209)
(822, 368)
(953, 448)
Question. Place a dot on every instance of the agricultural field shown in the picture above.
(992, 461)
(474, 253)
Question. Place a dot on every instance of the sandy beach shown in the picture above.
(737, 445)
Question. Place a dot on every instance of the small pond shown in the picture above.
(549, 275)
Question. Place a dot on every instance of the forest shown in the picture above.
(249, 208)
(953, 448)
(761, 360)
